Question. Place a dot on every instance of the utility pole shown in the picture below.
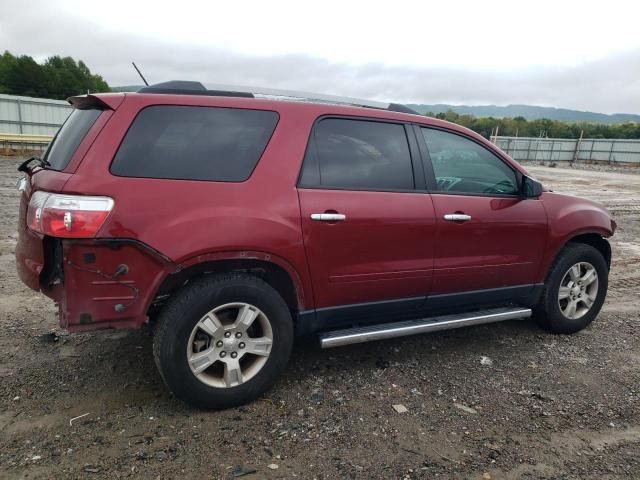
(578, 143)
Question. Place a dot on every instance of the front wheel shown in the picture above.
(223, 340)
(575, 290)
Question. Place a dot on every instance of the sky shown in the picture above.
(573, 54)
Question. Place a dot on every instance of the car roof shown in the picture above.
(185, 87)
(195, 93)
(305, 100)
(282, 105)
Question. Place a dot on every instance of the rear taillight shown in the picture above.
(67, 216)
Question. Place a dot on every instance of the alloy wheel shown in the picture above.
(229, 345)
(578, 290)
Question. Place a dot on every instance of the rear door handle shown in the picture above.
(457, 217)
(328, 217)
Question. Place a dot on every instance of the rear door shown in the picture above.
(368, 224)
(488, 236)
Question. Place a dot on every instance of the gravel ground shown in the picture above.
(541, 406)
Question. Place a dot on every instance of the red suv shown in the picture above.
(234, 221)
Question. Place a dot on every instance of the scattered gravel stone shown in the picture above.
(558, 407)
(464, 408)
(486, 361)
(242, 470)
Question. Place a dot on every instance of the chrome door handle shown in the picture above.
(328, 217)
(457, 217)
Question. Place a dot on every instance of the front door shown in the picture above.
(368, 232)
(488, 236)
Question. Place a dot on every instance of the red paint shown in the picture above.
(500, 246)
(393, 245)
(383, 250)
(569, 217)
(86, 292)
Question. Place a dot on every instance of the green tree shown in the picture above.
(21, 76)
(58, 77)
(545, 127)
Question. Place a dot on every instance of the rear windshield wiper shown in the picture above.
(25, 166)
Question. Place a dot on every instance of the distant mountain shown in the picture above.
(529, 112)
(127, 88)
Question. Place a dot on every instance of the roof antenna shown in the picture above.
(140, 73)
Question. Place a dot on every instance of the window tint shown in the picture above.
(461, 165)
(358, 154)
(194, 143)
(69, 137)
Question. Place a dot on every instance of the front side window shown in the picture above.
(359, 155)
(194, 143)
(462, 166)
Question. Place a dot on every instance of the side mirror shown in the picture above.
(530, 188)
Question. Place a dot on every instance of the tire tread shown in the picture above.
(545, 313)
(188, 295)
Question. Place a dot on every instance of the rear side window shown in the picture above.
(359, 155)
(194, 143)
(69, 137)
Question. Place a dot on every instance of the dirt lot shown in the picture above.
(547, 406)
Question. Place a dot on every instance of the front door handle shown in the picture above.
(457, 217)
(328, 217)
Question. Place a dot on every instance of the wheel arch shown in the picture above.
(593, 238)
(275, 271)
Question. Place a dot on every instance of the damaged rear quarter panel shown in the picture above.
(95, 297)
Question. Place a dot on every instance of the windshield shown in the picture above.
(66, 141)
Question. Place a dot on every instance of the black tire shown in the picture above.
(548, 313)
(185, 309)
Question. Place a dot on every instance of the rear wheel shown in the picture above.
(223, 340)
(575, 290)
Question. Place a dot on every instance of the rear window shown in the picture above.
(69, 136)
(194, 143)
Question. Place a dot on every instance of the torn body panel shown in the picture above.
(107, 284)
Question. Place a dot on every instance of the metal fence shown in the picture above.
(31, 116)
(570, 150)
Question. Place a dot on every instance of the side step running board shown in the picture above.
(423, 325)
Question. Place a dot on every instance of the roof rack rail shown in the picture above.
(185, 87)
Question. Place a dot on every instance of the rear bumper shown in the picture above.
(29, 250)
(29, 259)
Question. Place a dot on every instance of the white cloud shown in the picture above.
(571, 54)
(500, 34)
